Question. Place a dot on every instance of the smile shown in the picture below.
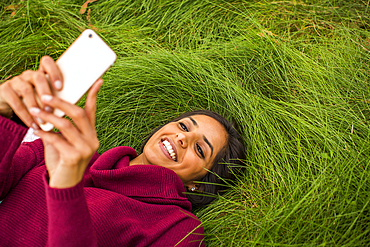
(169, 149)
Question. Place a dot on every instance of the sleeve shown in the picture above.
(69, 218)
(15, 159)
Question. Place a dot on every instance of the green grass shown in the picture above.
(294, 76)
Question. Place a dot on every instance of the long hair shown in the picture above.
(230, 155)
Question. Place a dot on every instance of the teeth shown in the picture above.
(169, 149)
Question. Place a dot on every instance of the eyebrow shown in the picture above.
(204, 138)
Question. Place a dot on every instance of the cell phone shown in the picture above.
(84, 62)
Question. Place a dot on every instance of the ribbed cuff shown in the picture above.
(66, 194)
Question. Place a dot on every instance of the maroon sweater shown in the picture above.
(114, 205)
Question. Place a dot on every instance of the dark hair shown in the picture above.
(231, 155)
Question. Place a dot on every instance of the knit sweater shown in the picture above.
(114, 205)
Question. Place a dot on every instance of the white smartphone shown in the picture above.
(84, 62)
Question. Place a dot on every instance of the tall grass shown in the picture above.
(292, 75)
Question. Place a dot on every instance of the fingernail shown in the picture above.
(48, 109)
(34, 110)
(58, 84)
(35, 126)
(40, 120)
(46, 97)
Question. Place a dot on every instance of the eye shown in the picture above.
(183, 126)
(200, 151)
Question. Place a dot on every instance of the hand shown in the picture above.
(68, 154)
(19, 93)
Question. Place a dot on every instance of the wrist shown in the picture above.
(58, 183)
(64, 178)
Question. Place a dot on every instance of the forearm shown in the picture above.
(12, 166)
(69, 217)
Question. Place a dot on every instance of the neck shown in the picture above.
(139, 160)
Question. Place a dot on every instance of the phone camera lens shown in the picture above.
(90, 35)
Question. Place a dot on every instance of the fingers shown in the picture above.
(74, 136)
(74, 151)
(26, 91)
(33, 80)
(48, 70)
(84, 119)
(13, 100)
(48, 66)
(51, 138)
(77, 114)
(25, 86)
(65, 126)
(66, 162)
(19, 92)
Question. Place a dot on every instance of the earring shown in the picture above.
(193, 189)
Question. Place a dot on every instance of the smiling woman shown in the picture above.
(211, 145)
(72, 196)
(183, 147)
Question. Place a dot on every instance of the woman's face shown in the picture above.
(186, 146)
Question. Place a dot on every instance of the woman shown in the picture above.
(58, 191)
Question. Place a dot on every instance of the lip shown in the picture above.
(165, 151)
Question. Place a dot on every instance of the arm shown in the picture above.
(16, 96)
(67, 154)
(11, 136)
(69, 218)
(66, 157)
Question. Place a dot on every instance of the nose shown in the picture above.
(182, 139)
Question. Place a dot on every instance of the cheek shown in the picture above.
(191, 159)
(150, 154)
(194, 167)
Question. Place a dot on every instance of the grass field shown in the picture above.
(294, 76)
